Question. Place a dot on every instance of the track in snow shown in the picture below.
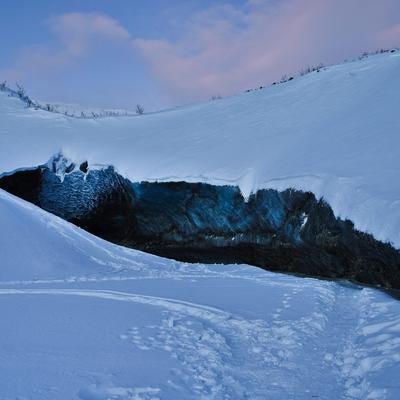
(324, 354)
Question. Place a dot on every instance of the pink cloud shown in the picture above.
(223, 49)
(227, 49)
(391, 35)
(77, 30)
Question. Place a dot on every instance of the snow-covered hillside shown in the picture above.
(333, 132)
(84, 319)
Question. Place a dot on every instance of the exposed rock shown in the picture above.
(289, 231)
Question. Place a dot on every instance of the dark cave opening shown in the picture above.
(288, 231)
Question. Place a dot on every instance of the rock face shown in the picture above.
(288, 231)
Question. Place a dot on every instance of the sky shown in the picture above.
(161, 54)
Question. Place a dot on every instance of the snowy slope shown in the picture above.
(135, 326)
(38, 246)
(334, 132)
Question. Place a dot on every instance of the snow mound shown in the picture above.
(334, 132)
(38, 246)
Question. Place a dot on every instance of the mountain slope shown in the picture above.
(333, 132)
(134, 326)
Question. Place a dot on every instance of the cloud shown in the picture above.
(391, 35)
(222, 49)
(76, 36)
(78, 31)
(226, 49)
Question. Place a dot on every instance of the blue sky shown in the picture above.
(164, 53)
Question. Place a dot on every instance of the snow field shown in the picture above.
(135, 326)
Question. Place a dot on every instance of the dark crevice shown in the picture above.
(287, 231)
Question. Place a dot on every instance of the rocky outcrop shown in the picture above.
(289, 231)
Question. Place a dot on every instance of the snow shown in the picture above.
(334, 132)
(85, 319)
